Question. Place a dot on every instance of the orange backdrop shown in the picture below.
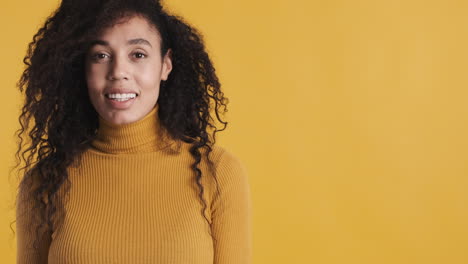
(350, 116)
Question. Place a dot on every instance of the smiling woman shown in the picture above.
(124, 69)
(121, 164)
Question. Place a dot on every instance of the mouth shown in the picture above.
(121, 97)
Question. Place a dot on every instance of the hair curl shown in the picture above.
(57, 120)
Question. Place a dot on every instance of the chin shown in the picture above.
(119, 118)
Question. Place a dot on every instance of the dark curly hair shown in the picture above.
(58, 122)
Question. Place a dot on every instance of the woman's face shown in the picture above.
(124, 69)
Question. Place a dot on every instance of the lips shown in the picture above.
(119, 91)
(121, 96)
(120, 99)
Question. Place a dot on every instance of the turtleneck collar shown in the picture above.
(144, 135)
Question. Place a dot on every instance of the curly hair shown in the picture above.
(58, 122)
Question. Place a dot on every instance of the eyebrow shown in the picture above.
(130, 42)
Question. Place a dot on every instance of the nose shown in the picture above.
(118, 70)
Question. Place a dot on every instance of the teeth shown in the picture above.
(124, 96)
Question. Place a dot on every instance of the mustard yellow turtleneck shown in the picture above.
(134, 199)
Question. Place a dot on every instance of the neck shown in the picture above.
(144, 135)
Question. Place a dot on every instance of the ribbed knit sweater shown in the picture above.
(134, 199)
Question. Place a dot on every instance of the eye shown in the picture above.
(98, 56)
(139, 55)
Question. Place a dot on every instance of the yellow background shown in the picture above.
(350, 116)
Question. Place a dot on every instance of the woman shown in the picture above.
(120, 163)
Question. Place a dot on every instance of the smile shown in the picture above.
(120, 97)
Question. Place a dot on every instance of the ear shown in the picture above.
(166, 65)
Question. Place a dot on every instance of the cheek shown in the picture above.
(149, 77)
(95, 79)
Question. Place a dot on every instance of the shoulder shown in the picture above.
(223, 157)
(229, 168)
(232, 199)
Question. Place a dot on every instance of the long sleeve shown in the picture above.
(133, 198)
(232, 213)
(25, 229)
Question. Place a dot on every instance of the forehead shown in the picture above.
(130, 28)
